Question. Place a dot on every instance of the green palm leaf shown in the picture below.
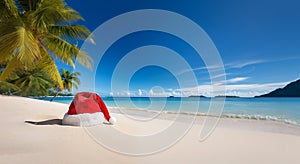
(29, 5)
(19, 47)
(69, 81)
(47, 65)
(8, 8)
(9, 69)
(33, 33)
(66, 51)
(8, 88)
(33, 83)
(53, 12)
(69, 32)
(61, 49)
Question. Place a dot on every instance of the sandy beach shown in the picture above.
(31, 132)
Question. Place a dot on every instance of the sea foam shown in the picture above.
(224, 115)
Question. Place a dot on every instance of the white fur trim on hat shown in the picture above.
(86, 119)
(112, 120)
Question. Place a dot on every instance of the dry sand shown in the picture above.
(31, 133)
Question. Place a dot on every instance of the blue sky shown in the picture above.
(258, 41)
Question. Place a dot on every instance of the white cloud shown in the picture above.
(236, 79)
(140, 92)
(220, 75)
(243, 90)
(244, 64)
(122, 94)
(158, 93)
(210, 68)
(227, 66)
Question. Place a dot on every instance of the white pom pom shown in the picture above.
(112, 120)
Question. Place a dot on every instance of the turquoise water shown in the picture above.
(277, 109)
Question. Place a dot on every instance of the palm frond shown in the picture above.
(5, 59)
(8, 43)
(33, 82)
(34, 32)
(68, 16)
(47, 64)
(75, 78)
(8, 8)
(21, 43)
(66, 52)
(54, 12)
(61, 49)
(76, 81)
(27, 50)
(75, 85)
(28, 5)
(72, 32)
(9, 26)
(84, 59)
(4, 85)
(69, 79)
(9, 69)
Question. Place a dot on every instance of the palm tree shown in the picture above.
(32, 83)
(35, 32)
(69, 80)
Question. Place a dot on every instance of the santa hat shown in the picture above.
(87, 109)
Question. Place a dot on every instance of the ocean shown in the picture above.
(286, 110)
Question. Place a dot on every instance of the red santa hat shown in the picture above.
(87, 109)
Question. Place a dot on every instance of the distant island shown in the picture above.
(197, 96)
(219, 96)
(290, 90)
(227, 96)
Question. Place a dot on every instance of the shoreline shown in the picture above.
(226, 122)
(31, 133)
(255, 117)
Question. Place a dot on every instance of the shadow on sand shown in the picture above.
(46, 122)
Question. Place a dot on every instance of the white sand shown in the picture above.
(233, 141)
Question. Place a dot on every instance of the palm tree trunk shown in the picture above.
(55, 95)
